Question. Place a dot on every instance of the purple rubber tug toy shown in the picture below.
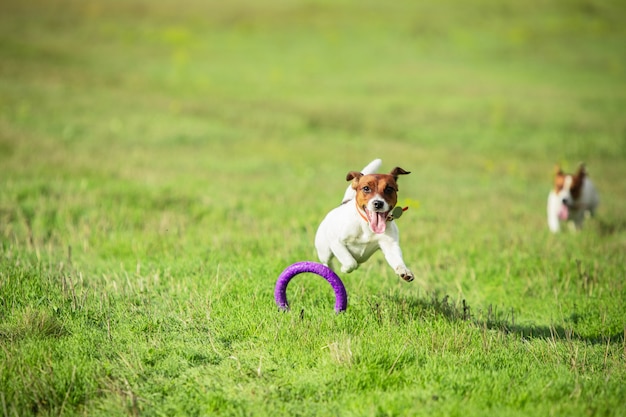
(280, 293)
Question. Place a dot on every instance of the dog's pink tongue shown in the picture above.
(563, 213)
(378, 222)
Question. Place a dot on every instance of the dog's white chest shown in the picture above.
(361, 247)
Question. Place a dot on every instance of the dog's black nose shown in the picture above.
(565, 201)
(378, 204)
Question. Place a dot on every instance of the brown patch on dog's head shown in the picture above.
(372, 185)
(375, 186)
(376, 195)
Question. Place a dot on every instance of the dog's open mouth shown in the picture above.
(378, 220)
(563, 212)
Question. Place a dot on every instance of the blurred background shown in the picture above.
(111, 104)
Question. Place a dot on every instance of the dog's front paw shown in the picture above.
(347, 268)
(405, 273)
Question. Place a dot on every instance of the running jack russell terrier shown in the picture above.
(363, 223)
(572, 198)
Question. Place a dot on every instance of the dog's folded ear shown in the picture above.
(582, 171)
(398, 171)
(354, 176)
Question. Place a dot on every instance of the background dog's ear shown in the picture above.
(582, 171)
(558, 170)
(398, 171)
(354, 176)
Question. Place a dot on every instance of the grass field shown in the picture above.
(161, 162)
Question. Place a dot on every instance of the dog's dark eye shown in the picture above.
(366, 189)
(389, 190)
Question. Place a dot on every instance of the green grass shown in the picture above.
(162, 162)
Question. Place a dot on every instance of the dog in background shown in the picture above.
(572, 198)
(363, 223)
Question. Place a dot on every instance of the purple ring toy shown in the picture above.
(280, 293)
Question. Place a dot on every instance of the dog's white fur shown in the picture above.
(572, 199)
(345, 235)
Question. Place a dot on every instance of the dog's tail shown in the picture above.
(370, 168)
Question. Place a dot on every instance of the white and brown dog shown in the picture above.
(572, 198)
(363, 223)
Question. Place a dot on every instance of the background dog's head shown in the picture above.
(568, 187)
